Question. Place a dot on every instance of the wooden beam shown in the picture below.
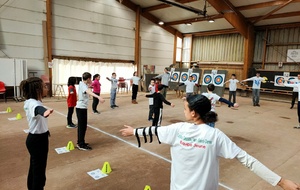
(264, 50)
(163, 5)
(49, 39)
(264, 4)
(137, 48)
(192, 20)
(215, 32)
(92, 59)
(280, 15)
(174, 49)
(249, 43)
(273, 11)
(278, 26)
(232, 15)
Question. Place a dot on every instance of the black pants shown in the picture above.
(150, 116)
(232, 94)
(81, 125)
(134, 91)
(70, 113)
(157, 117)
(95, 102)
(298, 111)
(294, 96)
(37, 145)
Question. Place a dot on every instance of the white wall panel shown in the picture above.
(21, 27)
(156, 46)
(84, 28)
(22, 40)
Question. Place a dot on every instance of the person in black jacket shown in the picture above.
(158, 100)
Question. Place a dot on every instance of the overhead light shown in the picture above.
(211, 20)
(161, 23)
(189, 24)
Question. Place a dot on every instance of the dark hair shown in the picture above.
(160, 87)
(95, 76)
(202, 105)
(72, 81)
(211, 87)
(154, 79)
(113, 73)
(134, 73)
(233, 75)
(32, 88)
(86, 76)
(167, 68)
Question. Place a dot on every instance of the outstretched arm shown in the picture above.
(89, 92)
(40, 110)
(235, 105)
(265, 173)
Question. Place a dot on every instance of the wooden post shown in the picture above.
(49, 39)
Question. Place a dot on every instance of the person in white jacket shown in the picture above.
(197, 147)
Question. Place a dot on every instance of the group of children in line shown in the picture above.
(199, 109)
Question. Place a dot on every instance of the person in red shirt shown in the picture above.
(96, 85)
(71, 101)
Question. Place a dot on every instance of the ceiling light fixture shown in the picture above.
(189, 24)
(211, 20)
(161, 23)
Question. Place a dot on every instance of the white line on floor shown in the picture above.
(145, 150)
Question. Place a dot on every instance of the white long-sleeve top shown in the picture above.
(195, 153)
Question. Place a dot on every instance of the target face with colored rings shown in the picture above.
(195, 77)
(290, 80)
(175, 76)
(207, 79)
(279, 80)
(218, 80)
(184, 77)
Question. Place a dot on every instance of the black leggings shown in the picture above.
(70, 113)
(95, 102)
(37, 145)
(81, 125)
(134, 91)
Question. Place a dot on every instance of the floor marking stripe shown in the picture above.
(131, 144)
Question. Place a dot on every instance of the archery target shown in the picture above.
(195, 77)
(184, 77)
(219, 80)
(291, 79)
(207, 79)
(175, 76)
(279, 80)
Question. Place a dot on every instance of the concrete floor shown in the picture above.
(265, 132)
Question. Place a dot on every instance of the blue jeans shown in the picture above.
(113, 93)
(255, 96)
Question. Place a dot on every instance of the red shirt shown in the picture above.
(72, 96)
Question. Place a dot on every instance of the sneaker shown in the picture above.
(96, 112)
(71, 126)
(84, 143)
(297, 127)
(258, 105)
(291, 107)
(112, 107)
(84, 147)
(116, 106)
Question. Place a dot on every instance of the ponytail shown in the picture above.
(201, 105)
